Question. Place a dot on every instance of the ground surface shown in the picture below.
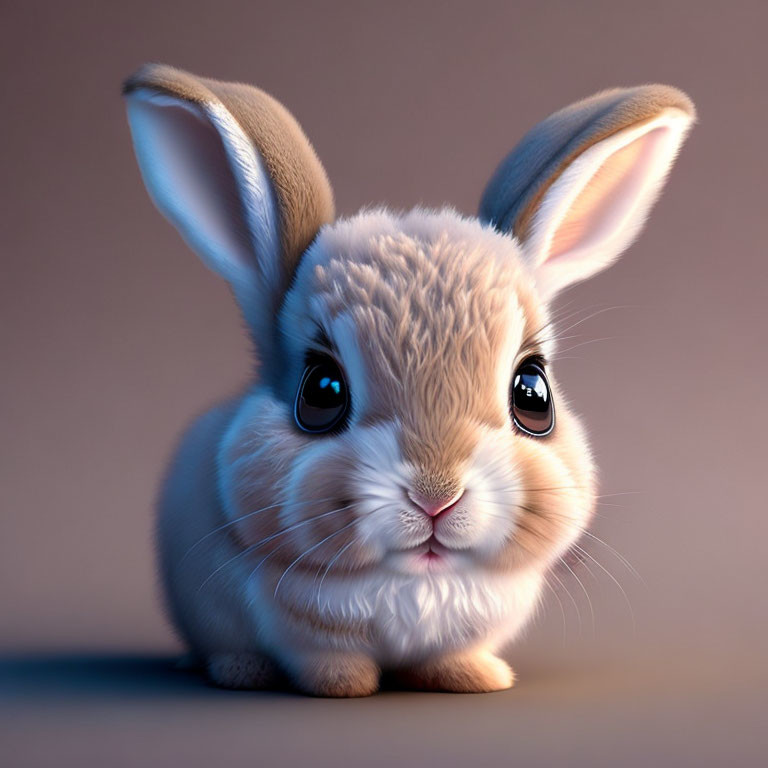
(140, 710)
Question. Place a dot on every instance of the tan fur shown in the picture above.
(429, 315)
(629, 107)
(337, 675)
(471, 672)
(304, 195)
(435, 374)
(433, 315)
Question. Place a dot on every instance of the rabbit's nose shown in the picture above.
(434, 506)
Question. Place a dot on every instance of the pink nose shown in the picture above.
(434, 506)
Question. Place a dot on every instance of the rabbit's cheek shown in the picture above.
(253, 455)
(557, 492)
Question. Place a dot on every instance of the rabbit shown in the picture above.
(388, 494)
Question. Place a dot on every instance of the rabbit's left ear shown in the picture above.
(577, 189)
(231, 168)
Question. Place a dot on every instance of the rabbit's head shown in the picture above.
(405, 416)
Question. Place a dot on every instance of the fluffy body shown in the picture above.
(419, 317)
(415, 540)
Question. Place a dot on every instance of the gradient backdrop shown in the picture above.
(113, 335)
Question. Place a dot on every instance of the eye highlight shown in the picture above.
(322, 399)
(530, 399)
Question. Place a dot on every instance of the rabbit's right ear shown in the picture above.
(231, 168)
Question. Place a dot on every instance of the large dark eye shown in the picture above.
(322, 399)
(531, 400)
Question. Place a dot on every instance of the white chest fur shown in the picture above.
(410, 617)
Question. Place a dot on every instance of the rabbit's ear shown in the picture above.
(576, 190)
(232, 170)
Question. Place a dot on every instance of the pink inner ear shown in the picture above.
(189, 176)
(613, 195)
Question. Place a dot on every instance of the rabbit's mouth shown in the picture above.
(431, 548)
(428, 557)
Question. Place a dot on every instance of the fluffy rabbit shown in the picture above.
(392, 488)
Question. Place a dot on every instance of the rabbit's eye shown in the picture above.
(530, 399)
(322, 399)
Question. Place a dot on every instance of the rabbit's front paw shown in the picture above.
(337, 675)
(477, 672)
(241, 670)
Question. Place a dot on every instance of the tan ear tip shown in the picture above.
(149, 75)
(658, 96)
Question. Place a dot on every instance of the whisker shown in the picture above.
(548, 514)
(575, 604)
(598, 312)
(559, 334)
(615, 581)
(556, 488)
(560, 338)
(559, 358)
(520, 525)
(562, 316)
(253, 547)
(608, 504)
(330, 565)
(623, 560)
(261, 562)
(311, 549)
(297, 525)
(560, 603)
(266, 557)
(245, 517)
(584, 590)
(581, 561)
(590, 341)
